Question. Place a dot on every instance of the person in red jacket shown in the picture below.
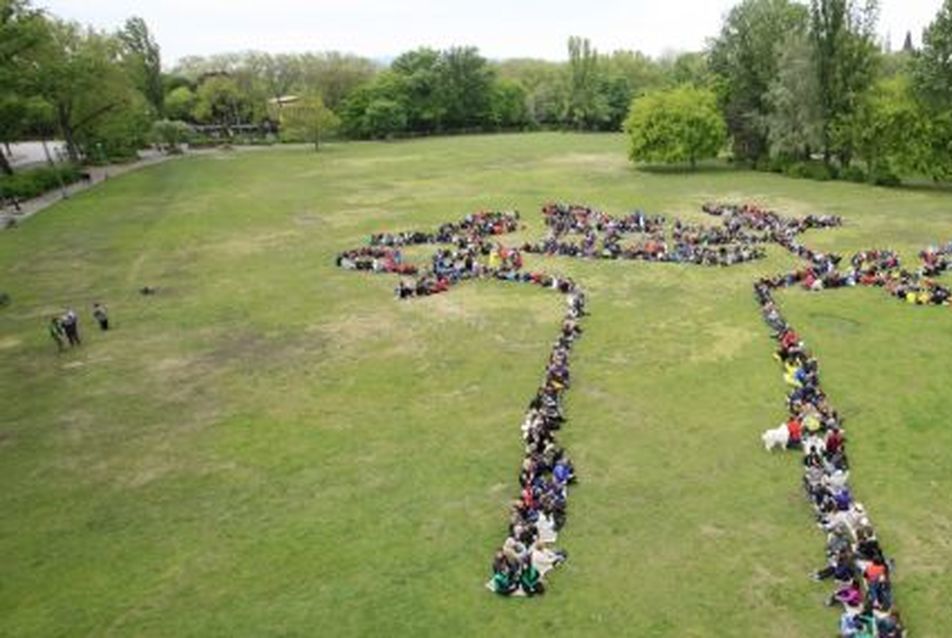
(794, 433)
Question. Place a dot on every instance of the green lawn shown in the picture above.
(271, 446)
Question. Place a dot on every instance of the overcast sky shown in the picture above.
(385, 28)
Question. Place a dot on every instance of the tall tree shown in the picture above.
(842, 33)
(584, 106)
(794, 121)
(465, 81)
(420, 70)
(746, 58)
(23, 33)
(145, 60)
(83, 79)
(933, 65)
(308, 119)
(932, 76)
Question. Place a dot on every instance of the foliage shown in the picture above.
(933, 64)
(91, 95)
(508, 104)
(889, 132)
(794, 121)
(748, 56)
(675, 126)
(33, 182)
(384, 118)
(144, 60)
(585, 106)
(170, 134)
(23, 31)
(179, 103)
(219, 100)
(845, 56)
(307, 120)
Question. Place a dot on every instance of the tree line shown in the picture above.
(783, 86)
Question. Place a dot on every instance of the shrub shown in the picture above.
(169, 134)
(810, 170)
(854, 174)
(4, 299)
(31, 183)
(885, 178)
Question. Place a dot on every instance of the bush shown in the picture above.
(854, 174)
(774, 164)
(885, 178)
(169, 134)
(4, 299)
(35, 182)
(810, 170)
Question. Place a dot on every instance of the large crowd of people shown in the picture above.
(861, 572)
(603, 237)
(855, 561)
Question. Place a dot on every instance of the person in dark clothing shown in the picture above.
(57, 333)
(99, 314)
(70, 324)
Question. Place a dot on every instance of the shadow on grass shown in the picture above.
(686, 169)
(925, 187)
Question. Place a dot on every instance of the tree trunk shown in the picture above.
(46, 151)
(5, 167)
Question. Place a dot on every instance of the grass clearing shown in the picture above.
(272, 446)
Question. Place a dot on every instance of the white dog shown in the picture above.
(776, 437)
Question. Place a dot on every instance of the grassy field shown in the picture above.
(271, 446)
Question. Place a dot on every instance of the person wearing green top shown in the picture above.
(531, 580)
(56, 333)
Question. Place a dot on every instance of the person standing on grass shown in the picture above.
(57, 333)
(99, 314)
(71, 327)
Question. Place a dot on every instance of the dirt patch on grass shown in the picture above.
(724, 341)
(598, 161)
(254, 244)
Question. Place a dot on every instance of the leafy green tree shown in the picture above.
(464, 87)
(309, 120)
(794, 120)
(145, 61)
(508, 104)
(842, 33)
(544, 83)
(933, 64)
(615, 93)
(889, 132)
(746, 59)
(585, 106)
(220, 100)
(23, 33)
(333, 75)
(641, 72)
(179, 103)
(385, 117)
(675, 126)
(419, 89)
(170, 134)
(86, 85)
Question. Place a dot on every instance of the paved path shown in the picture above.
(98, 174)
